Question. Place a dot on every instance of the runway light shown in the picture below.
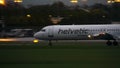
(112, 1)
(89, 36)
(28, 15)
(35, 40)
(18, 1)
(74, 1)
(117, 0)
(2, 2)
(7, 40)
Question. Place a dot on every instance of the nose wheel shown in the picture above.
(50, 43)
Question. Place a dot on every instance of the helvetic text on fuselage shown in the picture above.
(73, 31)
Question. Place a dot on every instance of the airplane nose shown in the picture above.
(36, 35)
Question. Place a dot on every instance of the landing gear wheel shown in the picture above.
(109, 43)
(50, 43)
(115, 43)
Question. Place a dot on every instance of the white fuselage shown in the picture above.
(76, 32)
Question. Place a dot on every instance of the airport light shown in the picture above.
(2, 2)
(28, 15)
(117, 0)
(108, 2)
(74, 1)
(89, 36)
(18, 1)
(35, 40)
(6, 40)
(112, 1)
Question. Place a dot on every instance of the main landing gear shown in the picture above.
(109, 43)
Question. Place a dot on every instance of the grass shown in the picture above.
(60, 55)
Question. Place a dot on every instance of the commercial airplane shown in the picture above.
(80, 32)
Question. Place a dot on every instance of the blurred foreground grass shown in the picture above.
(60, 55)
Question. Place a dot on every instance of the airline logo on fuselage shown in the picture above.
(73, 31)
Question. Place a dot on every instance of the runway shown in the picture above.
(27, 39)
(30, 39)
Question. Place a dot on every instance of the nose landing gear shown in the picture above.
(50, 43)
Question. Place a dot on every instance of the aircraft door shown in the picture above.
(50, 32)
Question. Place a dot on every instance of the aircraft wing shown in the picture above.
(104, 36)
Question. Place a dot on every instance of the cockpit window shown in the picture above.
(43, 30)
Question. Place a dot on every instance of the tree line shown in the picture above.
(40, 15)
